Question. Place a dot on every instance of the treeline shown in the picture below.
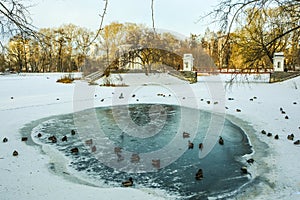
(71, 48)
(50, 50)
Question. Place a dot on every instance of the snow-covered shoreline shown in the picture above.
(28, 98)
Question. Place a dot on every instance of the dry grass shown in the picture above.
(66, 79)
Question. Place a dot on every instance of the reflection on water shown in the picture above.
(220, 167)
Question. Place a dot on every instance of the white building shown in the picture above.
(278, 62)
(188, 62)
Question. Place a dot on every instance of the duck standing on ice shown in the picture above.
(128, 183)
(221, 141)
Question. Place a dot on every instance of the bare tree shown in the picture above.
(14, 18)
(228, 11)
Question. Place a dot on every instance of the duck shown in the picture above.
(199, 175)
(75, 150)
(64, 139)
(191, 145)
(121, 96)
(221, 141)
(297, 142)
(73, 132)
(53, 139)
(201, 146)
(156, 163)
(89, 142)
(244, 170)
(185, 135)
(15, 153)
(5, 140)
(128, 183)
(290, 137)
(135, 158)
(94, 149)
(250, 161)
(269, 134)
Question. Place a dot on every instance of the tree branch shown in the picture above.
(100, 25)
(283, 34)
(152, 14)
(15, 16)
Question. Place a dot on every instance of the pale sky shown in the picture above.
(172, 15)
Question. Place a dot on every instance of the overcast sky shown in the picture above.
(173, 15)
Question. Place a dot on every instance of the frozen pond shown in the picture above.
(145, 142)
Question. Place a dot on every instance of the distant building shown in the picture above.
(278, 62)
(188, 62)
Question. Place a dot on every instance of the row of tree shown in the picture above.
(259, 33)
(58, 49)
(68, 48)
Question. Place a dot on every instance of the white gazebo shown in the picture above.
(278, 62)
(188, 62)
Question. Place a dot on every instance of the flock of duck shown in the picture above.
(199, 174)
(74, 150)
(52, 139)
(276, 137)
(129, 182)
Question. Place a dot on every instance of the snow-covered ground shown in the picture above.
(25, 98)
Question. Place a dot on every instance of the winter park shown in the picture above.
(126, 103)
